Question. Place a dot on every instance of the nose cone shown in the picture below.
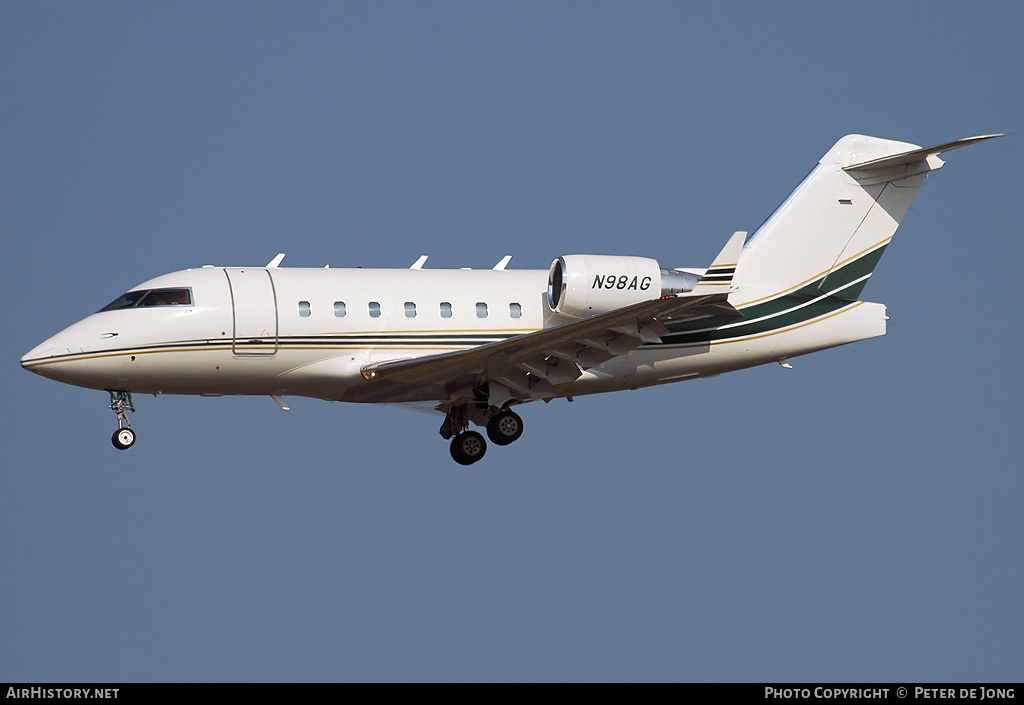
(47, 349)
(45, 358)
(77, 355)
(76, 339)
(50, 355)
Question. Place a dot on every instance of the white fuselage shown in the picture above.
(308, 332)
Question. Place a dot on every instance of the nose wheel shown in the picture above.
(123, 438)
(121, 403)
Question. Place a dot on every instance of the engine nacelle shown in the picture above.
(582, 285)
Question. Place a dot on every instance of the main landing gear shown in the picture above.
(504, 427)
(467, 447)
(121, 404)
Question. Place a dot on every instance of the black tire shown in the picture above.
(123, 438)
(468, 447)
(505, 427)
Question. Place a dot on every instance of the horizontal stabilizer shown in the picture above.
(915, 155)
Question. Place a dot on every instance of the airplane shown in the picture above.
(474, 344)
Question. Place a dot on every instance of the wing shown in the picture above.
(528, 366)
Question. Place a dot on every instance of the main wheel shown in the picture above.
(468, 447)
(123, 438)
(505, 427)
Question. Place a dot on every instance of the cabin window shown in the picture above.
(304, 309)
(446, 309)
(374, 309)
(515, 310)
(151, 297)
(410, 309)
(481, 310)
(339, 309)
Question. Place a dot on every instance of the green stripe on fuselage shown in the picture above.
(804, 304)
(800, 310)
(837, 282)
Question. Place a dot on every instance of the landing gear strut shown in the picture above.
(121, 403)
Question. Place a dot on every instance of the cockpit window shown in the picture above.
(167, 297)
(125, 300)
(151, 297)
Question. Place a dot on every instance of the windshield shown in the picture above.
(144, 298)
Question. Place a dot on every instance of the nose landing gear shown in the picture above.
(121, 403)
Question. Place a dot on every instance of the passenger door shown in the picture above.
(254, 311)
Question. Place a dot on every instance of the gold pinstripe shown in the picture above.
(81, 357)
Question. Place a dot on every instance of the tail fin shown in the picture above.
(829, 234)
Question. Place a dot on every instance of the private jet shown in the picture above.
(474, 345)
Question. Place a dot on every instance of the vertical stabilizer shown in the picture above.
(827, 237)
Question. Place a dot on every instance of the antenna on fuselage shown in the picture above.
(500, 266)
(418, 264)
(273, 264)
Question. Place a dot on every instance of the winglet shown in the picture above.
(274, 263)
(718, 278)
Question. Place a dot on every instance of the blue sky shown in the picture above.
(855, 518)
